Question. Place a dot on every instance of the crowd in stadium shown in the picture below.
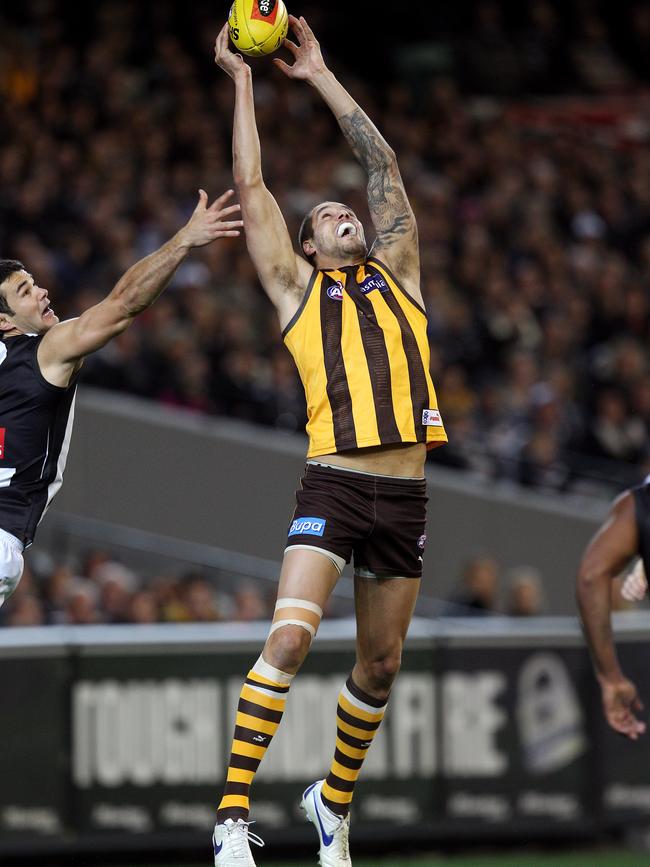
(98, 588)
(534, 220)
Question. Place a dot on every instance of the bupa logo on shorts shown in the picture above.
(3, 431)
(431, 418)
(307, 527)
(335, 291)
(422, 541)
(265, 10)
(375, 281)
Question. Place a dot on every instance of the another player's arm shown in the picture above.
(283, 274)
(606, 555)
(392, 216)
(65, 345)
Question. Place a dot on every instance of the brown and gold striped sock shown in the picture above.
(358, 717)
(260, 709)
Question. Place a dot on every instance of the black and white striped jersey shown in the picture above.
(35, 428)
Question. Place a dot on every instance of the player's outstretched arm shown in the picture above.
(283, 274)
(392, 217)
(67, 343)
(608, 552)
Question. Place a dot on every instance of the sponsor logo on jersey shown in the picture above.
(335, 291)
(431, 418)
(422, 541)
(375, 281)
(307, 527)
(265, 10)
(3, 431)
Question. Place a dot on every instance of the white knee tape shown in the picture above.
(288, 602)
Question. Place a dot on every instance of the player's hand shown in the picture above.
(308, 58)
(228, 60)
(621, 703)
(207, 223)
(635, 585)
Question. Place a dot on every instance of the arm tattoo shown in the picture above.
(389, 206)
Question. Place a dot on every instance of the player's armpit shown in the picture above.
(283, 274)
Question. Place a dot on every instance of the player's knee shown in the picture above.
(287, 648)
(381, 670)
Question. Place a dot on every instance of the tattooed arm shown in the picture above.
(397, 236)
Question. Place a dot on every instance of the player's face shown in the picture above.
(338, 234)
(32, 313)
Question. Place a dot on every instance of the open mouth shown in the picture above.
(48, 311)
(346, 229)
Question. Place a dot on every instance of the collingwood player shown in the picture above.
(40, 360)
(355, 325)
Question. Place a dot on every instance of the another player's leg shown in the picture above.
(384, 608)
(306, 582)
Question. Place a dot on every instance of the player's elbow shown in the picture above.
(590, 576)
(247, 178)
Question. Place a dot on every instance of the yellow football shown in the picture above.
(258, 27)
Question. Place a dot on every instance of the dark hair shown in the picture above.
(306, 232)
(7, 268)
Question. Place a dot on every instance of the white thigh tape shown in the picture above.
(289, 602)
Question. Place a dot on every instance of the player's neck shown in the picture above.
(327, 264)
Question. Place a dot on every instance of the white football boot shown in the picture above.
(333, 830)
(231, 844)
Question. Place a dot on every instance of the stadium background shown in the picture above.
(522, 134)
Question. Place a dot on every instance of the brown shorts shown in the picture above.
(378, 519)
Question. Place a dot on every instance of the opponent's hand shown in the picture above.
(308, 58)
(207, 223)
(635, 585)
(228, 60)
(620, 702)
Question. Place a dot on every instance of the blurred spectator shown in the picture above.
(250, 604)
(479, 589)
(525, 595)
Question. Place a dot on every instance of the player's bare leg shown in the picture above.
(307, 579)
(384, 608)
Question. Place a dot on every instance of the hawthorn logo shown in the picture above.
(265, 10)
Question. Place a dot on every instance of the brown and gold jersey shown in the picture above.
(360, 343)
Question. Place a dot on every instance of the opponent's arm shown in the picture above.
(392, 217)
(606, 555)
(67, 343)
(283, 274)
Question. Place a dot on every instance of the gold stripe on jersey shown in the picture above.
(361, 348)
(311, 365)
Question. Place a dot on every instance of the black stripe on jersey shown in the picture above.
(417, 374)
(374, 346)
(338, 389)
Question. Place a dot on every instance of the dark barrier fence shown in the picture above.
(117, 737)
